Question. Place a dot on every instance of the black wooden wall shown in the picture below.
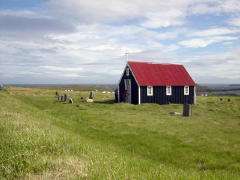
(134, 87)
(160, 97)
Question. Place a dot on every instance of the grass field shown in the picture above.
(41, 138)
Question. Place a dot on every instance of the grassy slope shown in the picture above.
(42, 138)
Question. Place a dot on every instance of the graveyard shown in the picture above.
(45, 136)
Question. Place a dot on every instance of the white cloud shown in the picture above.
(30, 24)
(215, 7)
(234, 21)
(230, 6)
(203, 42)
(203, 38)
(215, 32)
(164, 19)
(24, 13)
(72, 75)
(78, 38)
(56, 68)
(153, 55)
(220, 67)
(150, 14)
(100, 11)
(204, 9)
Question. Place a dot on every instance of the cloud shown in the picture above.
(203, 42)
(72, 75)
(24, 14)
(164, 19)
(100, 11)
(215, 32)
(86, 41)
(203, 38)
(31, 24)
(56, 68)
(153, 55)
(230, 6)
(204, 9)
(216, 7)
(230, 57)
(150, 14)
(234, 21)
(220, 67)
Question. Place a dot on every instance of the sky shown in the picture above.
(85, 42)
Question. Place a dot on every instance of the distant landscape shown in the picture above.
(233, 89)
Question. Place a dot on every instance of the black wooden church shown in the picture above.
(145, 82)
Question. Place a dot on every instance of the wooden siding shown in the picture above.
(160, 97)
(134, 87)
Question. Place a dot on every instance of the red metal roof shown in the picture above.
(156, 74)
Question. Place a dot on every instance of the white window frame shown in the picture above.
(168, 90)
(186, 90)
(150, 90)
(127, 71)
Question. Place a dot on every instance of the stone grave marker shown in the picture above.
(70, 101)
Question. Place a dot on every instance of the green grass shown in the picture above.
(45, 139)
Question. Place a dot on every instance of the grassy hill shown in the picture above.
(42, 138)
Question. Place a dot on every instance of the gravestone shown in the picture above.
(90, 95)
(70, 101)
(65, 97)
(187, 110)
(89, 100)
(116, 95)
(175, 113)
(1, 87)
